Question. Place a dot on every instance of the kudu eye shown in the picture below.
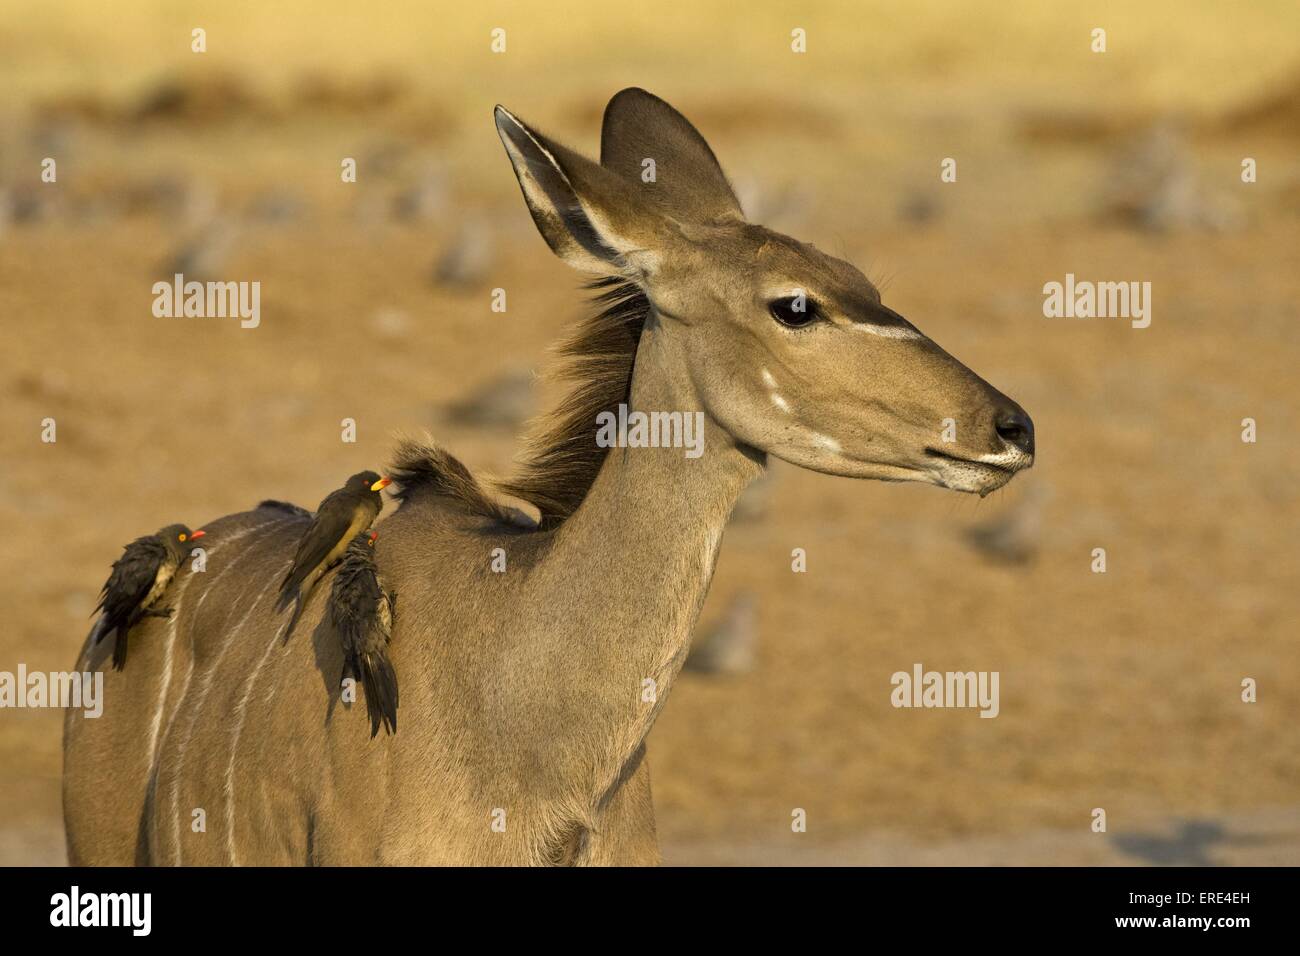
(794, 312)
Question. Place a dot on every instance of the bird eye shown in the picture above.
(794, 311)
(181, 537)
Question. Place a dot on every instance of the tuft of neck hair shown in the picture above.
(561, 459)
(421, 467)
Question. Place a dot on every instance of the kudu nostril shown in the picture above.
(1016, 428)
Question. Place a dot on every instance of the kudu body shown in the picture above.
(527, 694)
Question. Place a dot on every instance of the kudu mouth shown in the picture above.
(994, 465)
(1009, 433)
(982, 474)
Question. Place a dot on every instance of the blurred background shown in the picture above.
(1119, 690)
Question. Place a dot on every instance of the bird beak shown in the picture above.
(381, 483)
(196, 535)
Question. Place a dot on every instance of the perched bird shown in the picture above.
(339, 518)
(138, 580)
(361, 615)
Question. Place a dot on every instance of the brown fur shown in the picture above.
(561, 458)
(420, 467)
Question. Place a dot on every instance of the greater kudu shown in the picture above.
(527, 693)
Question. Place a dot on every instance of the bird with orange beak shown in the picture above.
(341, 516)
(138, 581)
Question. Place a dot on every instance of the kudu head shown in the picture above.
(788, 349)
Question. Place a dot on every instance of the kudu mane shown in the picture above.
(560, 458)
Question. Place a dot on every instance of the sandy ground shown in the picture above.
(1268, 838)
(1263, 838)
(1119, 690)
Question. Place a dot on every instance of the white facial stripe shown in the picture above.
(825, 441)
(885, 331)
(770, 381)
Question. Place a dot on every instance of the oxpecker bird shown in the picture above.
(137, 583)
(339, 518)
(361, 616)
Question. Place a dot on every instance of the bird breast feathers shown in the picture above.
(160, 581)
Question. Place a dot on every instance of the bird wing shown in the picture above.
(131, 579)
(320, 538)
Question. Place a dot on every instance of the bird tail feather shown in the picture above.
(297, 612)
(119, 650)
(380, 681)
(288, 589)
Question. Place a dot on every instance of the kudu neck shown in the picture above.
(646, 540)
(677, 491)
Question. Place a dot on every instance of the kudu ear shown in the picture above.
(586, 214)
(688, 184)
